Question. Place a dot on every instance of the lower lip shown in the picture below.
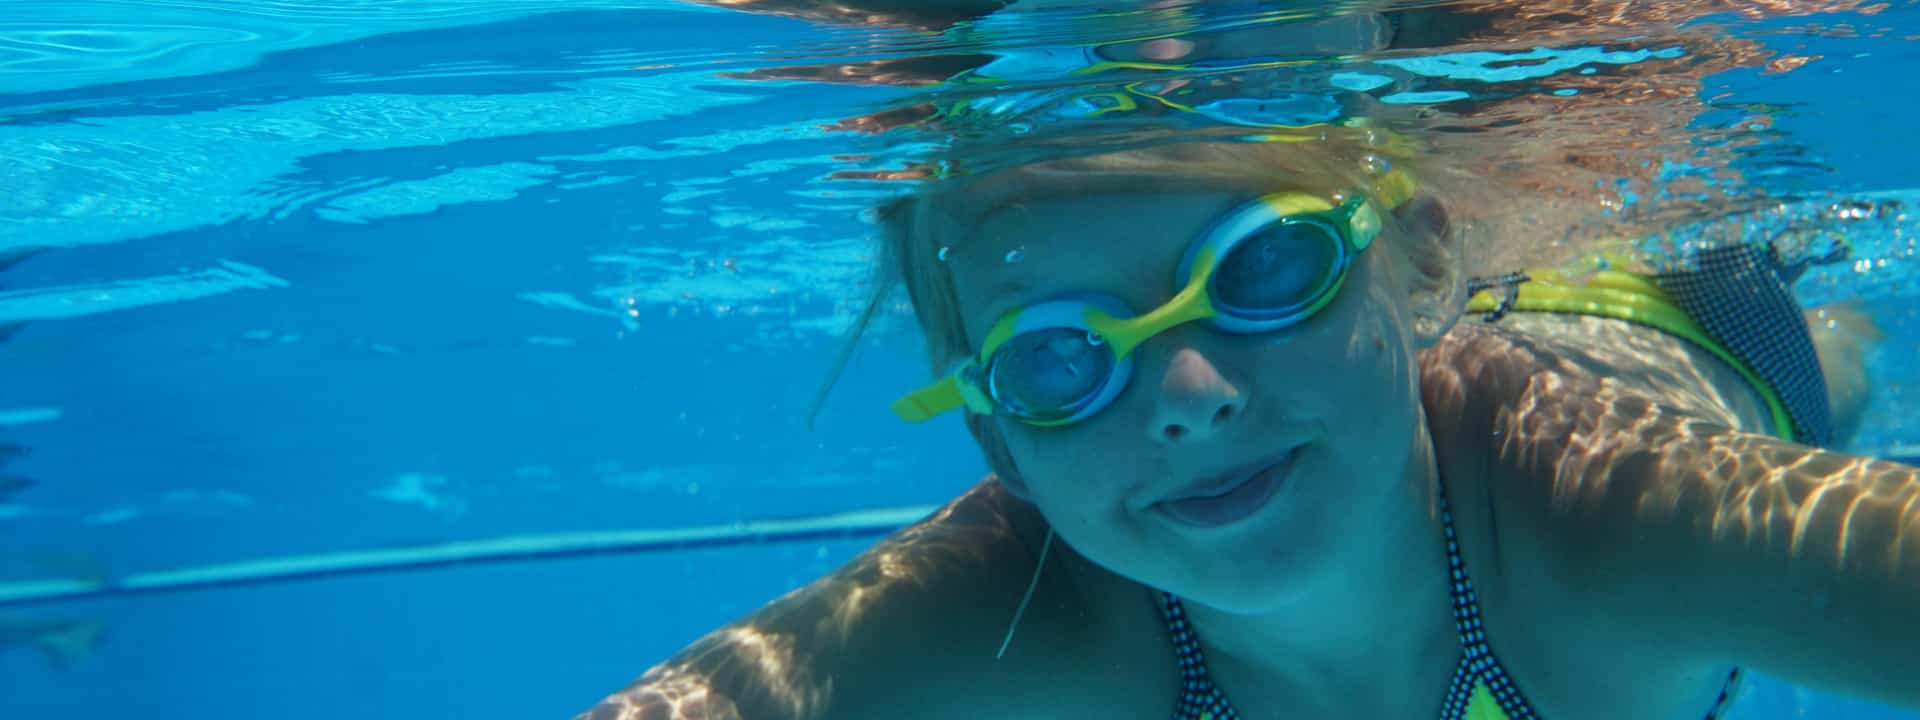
(1234, 506)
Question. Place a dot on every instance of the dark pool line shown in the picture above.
(519, 548)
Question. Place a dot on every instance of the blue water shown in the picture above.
(309, 277)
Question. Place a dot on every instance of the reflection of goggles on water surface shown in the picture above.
(1175, 76)
(1289, 110)
(1254, 41)
(1264, 267)
(1277, 109)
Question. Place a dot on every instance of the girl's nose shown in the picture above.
(1195, 401)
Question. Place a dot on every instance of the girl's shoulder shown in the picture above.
(911, 627)
(1540, 438)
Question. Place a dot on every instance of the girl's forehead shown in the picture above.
(1070, 225)
(1107, 243)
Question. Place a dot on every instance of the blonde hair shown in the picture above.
(917, 230)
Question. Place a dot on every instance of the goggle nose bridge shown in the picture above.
(1193, 302)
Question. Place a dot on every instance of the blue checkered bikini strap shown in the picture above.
(1199, 699)
(1477, 663)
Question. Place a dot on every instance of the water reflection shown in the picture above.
(1604, 119)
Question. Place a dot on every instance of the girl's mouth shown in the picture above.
(1232, 496)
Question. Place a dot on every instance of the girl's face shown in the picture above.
(1312, 424)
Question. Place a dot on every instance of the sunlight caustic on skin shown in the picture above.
(767, 659)
(1804, 503)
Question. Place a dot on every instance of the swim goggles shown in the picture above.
(1264, 267)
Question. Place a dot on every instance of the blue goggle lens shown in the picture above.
(1047, 374)
(1278, 272)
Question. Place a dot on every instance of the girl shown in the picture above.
(1249, 460)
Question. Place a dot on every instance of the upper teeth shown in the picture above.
(1230, 487)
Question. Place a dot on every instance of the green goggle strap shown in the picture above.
(963, 386)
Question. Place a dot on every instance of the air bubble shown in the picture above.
(1375, 164)
(1094, 339)
(1016, 255)
(943, 252)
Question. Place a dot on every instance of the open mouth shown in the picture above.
(1236, 495)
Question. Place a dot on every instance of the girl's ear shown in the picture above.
(1437, 285)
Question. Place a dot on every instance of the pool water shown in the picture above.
(285, 278)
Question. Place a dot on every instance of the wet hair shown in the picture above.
(918, 229)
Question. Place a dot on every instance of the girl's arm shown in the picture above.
(906, 629)
(1689, 537)
(1796, 561)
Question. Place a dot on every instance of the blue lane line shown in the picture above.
(864, 523)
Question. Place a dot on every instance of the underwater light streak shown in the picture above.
(77, 300)
(834, 526)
